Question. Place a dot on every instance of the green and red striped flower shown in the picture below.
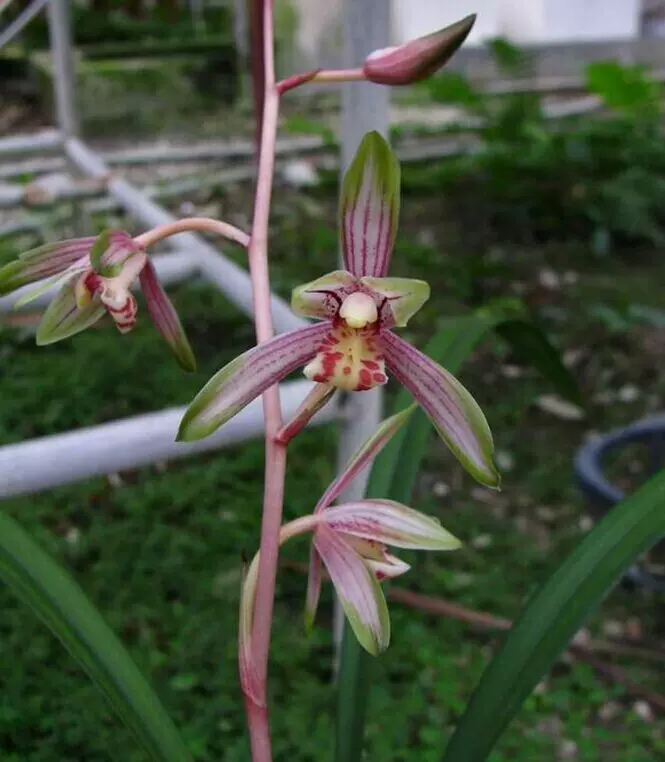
(353, 347)
(95, 276)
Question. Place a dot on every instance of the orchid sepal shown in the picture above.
(245, 378)
(314, 579)
(364, 455)
(455, 414)
(47, 261)
(369, 208)
(165, 318)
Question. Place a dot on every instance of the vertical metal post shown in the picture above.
(241, 28)
(59, 24)
(365, 107)
(64, 81)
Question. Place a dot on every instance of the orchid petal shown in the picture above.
(388, 568)
(63, 318)
(111, 251)
(314, 578)
(369, 207)
(321, 298)
(390, 523)
(455, 414)
(364, 455)
(417, 59)
(405, 296)
(245, 378)
(165, 317)
(99, 246)
(357, 589)
(46, 285)
(318, 397)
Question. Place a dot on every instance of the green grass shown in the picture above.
(160, 554)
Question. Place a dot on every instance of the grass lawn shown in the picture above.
(159, 551)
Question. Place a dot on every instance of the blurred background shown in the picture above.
(533, 170)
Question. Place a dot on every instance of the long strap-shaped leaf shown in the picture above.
(554, 615)
(59, 602)
(395, 471)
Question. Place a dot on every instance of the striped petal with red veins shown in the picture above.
(165, 317)
(404, 297)
(114, 248)
(389, 523)
(56, 258)
(369, 208)
(248, 376)
(44, 262)
(64, 318)
(322, 298)
(453, 411)
(357, 589)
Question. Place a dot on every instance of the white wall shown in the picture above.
(413, 18)
(548, 21)
(536, 21)
(572, 20)
(520, 21)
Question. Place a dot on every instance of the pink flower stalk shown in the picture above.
(417, 59)
(354, 347)
(95, 275)
(351, 541)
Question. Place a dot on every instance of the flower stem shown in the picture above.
(275, 464)
(192, 224)
(339, 75)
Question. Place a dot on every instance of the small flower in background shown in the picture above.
(354, 347)
(351, 542)
(417, 59)
(95, 276)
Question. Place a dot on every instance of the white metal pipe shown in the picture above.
(171, 268)
(19, 145)
(218, 149)
(52, 461)
(232, 280)
(230, 150)
(20, 22)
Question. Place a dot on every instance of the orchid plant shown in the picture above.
(351, 347)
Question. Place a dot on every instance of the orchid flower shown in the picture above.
(95, 276)
(353, 346)
(350, 541)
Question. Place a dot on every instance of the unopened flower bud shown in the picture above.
(417, 59)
